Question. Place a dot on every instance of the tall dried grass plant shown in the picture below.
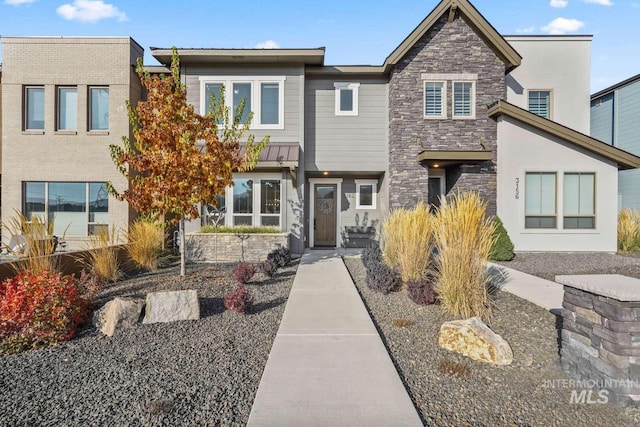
(102, 256)
(145, 246)
(463, 236)
(407, 236)
(32, 242)
(628, 230)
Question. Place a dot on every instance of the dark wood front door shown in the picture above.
(325, 214)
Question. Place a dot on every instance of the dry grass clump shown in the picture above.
(402, 323)
(464, 237)
(455, 369)
(407, 235)
(145, 246)
(102, 256)
(34, 243)
(628, 230)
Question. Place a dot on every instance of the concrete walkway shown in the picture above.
(542, 292)
(328, 365)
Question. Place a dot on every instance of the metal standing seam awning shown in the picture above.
(442, 158)
(284, 155)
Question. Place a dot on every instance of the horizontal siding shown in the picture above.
(346, 143)
(352, 217)
(602, 119)
(629, 188)
(628, 118)
(292, 95)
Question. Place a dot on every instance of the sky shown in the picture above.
(353, 31)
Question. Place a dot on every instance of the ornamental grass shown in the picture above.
(628, 230)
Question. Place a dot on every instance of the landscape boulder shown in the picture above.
(474, 339)
(118, 313)
(172, 306)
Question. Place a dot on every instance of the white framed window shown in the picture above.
(263, 95)
(464, 99)
(98, 108)
(366, 193)
(540, 200)
(435, 95)
(346, 95)
(34, 108)
(579, 200)
(254, 200)
(540, 103)
(67, 106)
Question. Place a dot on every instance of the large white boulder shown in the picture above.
(118, 313)
(172, 306)
(474, 339)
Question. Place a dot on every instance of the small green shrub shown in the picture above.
(382, 278)
(502, 248)
(240, 230)
(39, 309)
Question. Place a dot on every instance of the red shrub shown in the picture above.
(421, 291)
(244, 272)
(238, 300)
(37, 310)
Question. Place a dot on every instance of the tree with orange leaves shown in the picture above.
(178, 159)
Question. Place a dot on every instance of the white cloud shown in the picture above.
(18, 2)
(601, 2)
(527, 30)
(90, 11)
(559, 3)
(562, 26)
(269, 44)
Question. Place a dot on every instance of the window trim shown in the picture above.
(90, 109)
(555, 215)
(472, 116)
(443, 100)
(256, 97)
(374, 193)
(595, 205)
(355, 88)
(550, 102)
(59, 109)
(26, 108)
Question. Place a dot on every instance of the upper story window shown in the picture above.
(346, 98)
(540, 103)
(34, 108)
(67, 108)
(464, 100)
(98, 108)
(579, 207)
(540, 200)
(435, 95)
(262, 95)
(366, 192)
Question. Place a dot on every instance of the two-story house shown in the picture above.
(455, 107)
(615, 119)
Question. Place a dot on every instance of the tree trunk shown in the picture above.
(183, 251)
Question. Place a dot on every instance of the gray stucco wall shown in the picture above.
(447, 48)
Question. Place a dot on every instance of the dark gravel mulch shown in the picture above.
(450, 389)
(203, 372)
(550, 264)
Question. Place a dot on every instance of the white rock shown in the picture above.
(172, 306)
(118, 313)
(474, 339)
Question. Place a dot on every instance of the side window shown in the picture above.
(579, 207)
(98, 108)
(34, 108)
(540, 200)
(346, 98)
(67, 106)
(464, 99)
(434, 99)
(540, 103)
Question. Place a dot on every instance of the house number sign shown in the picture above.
(517, 188)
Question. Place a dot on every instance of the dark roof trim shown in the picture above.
(624, 159)
(615, 87)
(188, 56)
(335, 70)
(441, 155)
(485, 30)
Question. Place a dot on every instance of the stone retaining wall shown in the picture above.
(601, 343)
(226, 247)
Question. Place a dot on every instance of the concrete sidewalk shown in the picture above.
(542, 292)
(328, 365)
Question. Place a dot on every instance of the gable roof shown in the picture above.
(481, 26)
(615, 87)
(624, 159)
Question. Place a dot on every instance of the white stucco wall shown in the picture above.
(561, 64)
(523, 149)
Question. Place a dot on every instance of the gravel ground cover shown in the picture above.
(202, 372)
(550, 264)
(451, 390)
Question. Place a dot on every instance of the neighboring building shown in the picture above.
(455, 107)
(615, 119)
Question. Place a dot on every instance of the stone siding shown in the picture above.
(222, 247)
(452, 48)
(601, 343)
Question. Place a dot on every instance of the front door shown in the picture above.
(324, 220)
(436, 188)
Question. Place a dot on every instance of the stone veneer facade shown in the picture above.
(227, 247)
(601, 343)
(451, 48)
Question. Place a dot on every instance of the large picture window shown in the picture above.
(76, 208)
(540, 200)
(579, 207)
(34, 108)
